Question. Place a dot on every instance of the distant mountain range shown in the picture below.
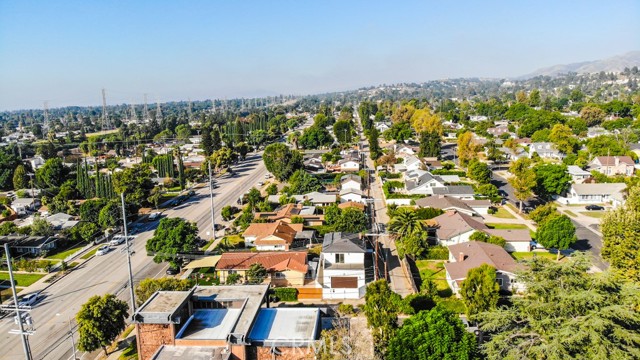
(612, 64)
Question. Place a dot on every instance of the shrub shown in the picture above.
(346, 309)
(449, 172)
(492, 210)
(438, 252)
(286, 294)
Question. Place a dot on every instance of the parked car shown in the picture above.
(594, 207)
(153, 216)
(503, 193)
(102, 250)
(535, 246)
(31, 300)
(117, 240)
(260, 183)
(173, 271)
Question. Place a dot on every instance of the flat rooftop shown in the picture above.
(168, 352)
(210, 324)
(285, 326)
(161, 306)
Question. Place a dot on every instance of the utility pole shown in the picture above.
(213, 220)
(126, 239)
(23, 334)
(105, 117)
(73, 342)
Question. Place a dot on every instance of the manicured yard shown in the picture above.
(507, 226)
(570, 213)
(63, 253)
(454, 304)
(22, 280)
(515, 209)
(230, 242)
(532, 254)
(205, 276)
(503, 214)
(593, 214)
(434, 269)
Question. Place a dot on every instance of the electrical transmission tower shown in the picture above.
(46, 115)
(158, 112)
(145, 111)
(134, 116)
(189, 111)
(105, 116)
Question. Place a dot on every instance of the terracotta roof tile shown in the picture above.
(272, 261)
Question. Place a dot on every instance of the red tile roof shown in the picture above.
(272, 261)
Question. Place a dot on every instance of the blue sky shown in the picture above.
(67, 51)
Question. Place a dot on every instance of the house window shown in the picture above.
(279, 275)
(499, 281)
(339, 258)
(232, 271)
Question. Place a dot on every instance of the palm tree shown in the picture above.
(405, 223)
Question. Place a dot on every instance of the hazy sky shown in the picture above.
(67, 51)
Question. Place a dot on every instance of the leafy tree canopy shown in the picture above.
(100, 321)
(621, 237)
(173, 235)
(281, 161)
(148, 287)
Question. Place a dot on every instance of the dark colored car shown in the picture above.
(173, 271)
(594, 207)
(503, 193)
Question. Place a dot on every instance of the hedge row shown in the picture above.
(286, 294)
(449, 172)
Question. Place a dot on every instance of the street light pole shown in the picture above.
(23, 334)
(126, 239)
(73, 342)
(213, 220)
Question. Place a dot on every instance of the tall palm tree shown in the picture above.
(405, 222)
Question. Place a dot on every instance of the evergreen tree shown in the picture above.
(374, 146)
(206, 143)
(430, 144)
(20, 178)
(479, 290)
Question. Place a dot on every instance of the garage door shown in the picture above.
(344, 282)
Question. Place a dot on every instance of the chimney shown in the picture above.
(460, 257)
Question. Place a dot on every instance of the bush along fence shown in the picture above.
(285, 294)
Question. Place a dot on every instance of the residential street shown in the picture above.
(108, 273)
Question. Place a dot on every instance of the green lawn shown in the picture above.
(507, 226)
(515, 209)
(454, 304)
(503, 214)
(89, 254)
(593, 214)
(434, 269)
(230, 242)
(530, 255)
(63, 253)
(22, 280)
(570, 213)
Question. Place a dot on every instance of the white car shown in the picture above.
(102, 250)
(260, 183)
(117, 240)
(30, 300)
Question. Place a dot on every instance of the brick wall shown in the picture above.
(151, 337)
(285, 353)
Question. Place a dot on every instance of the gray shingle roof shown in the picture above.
(339, 242)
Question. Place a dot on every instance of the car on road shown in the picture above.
(503, 193)
(260, 183)
(117, 240)
(153, 216)
(103, 250)
(267, 176)
(173, 271)
(31, 300)
(594, 207)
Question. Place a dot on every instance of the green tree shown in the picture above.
(233, 279)
(281, 161)
(568, 313)
(621, 237)
(301, 182)
(557, 233)
(243, 149)
(110, 215)
(405, 222)
(272, 189)
(480, 291)
(183, 131)
(41, 227)
(135, 182)
(8, 163)
(488, 190)
(551, 179)
(343, 130)
(374, 145)
(173, 235)
(253, 198)
(222, 158)
(52, 174)
(523, 179)
(479, 171)
(563, 138)
(206, 144)
(430, 144)
(491, 239)
(351, 220)
(606, 145)
(226, 212)
(155, 196)
(592, 115)
(100, 320)
(466, 148)
(315, 137)
(150, 286)
(20, 178)
(434, 334)
(90, 209)
(256, 274)
(332, 214)
(382, 313)
(544, 212)
(8, 228)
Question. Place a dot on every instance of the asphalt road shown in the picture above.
(108, 273)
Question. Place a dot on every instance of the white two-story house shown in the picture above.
(341, 271)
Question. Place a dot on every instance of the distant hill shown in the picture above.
(612, 64)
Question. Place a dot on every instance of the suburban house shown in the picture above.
(545, 150)
(513, 154)
(470, 255)
(595, 193)
(432, 163)
(349, 165)
(314, 164)
(36, 162)
(31, 245)
(315, 198)
(288, 212)
(446, 203)
(285, 268)
(62, 221)
(577, 174)
(613, 165)
(463, 192)
(342, 267)
(404, 150)
(421, 182)
(223, 323)
(24, 205)
(351, 195)
(351, 181)
(275, 236)
(382, 127)
(351, 204)
(516, 239)
(412, 163)
(454, 227)
(498, 130)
